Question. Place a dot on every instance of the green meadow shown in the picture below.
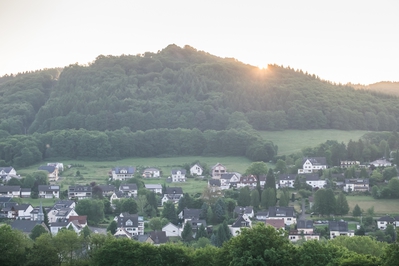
(291, 141)
(381, 206)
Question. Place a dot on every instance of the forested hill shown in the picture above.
(185, 88)
(386, 87)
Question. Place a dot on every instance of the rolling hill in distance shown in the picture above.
(196, 102)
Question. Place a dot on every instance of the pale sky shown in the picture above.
(341, 41)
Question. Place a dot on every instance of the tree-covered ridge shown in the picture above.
(387, 87)
(185, 88)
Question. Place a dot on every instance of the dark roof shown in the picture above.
(241, 210)
(183, 171)
(60, 223)
(281, 212)
(107, 187)
(174, 190)
(341, 226)
(227, 175)
(304, 224)
(81, 188)
(49, 188)
(191, 213)
(25, 226)
(214, 182)
(357, 181)
(47, 168)
(22, 206)
(63, 204)
(9, 188)
(159, 237)
(129, 169)
(312, 177)
(26, 190)
(240, 222)
(5, 199)
(6, 169)
(287, 177)
(128, 187)
(131, 217)
(386, 218)
(316, 160)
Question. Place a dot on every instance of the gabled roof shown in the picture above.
(312, 177)
(78, 188)
(48, 188)
(151, 169)
(304, 224)
(174, 190)
(63, 204)
(218, 164)
(248, 179)
(386, 218)
(82, 220)
(281, 212)
(22, 207)
(128, 187)
(134, 218)
(315, 160)
(153, 186)
(227, 175)
(338, 226)
(7, 170)
(191, 213)
(241, 220)
(5, 199)
(9, 188)
(158, 237)
(276, 223)
(174, 171)
(355, 181)
(107, 187)
(241, 210)
(129, 169)
(26, 190)
(196, 164)
(288, 177)
(25, 226)
(214, 182)
(47, 168)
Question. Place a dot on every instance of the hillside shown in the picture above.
(185, 88)
(387, 87)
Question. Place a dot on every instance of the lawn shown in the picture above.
(291, 141)
(381, 206)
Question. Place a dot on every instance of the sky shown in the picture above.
(341, 41)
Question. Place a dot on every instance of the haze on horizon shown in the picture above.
(340, 41)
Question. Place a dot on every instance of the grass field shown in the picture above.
(291, 141)
(381, 206)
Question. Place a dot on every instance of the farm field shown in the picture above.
(381, 206)
(291, 141)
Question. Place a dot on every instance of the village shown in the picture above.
(298, 218)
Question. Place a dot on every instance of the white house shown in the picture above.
(228, 180)
(384, 221)
(381, 163)
(178, 175)
(196, 170)
(217, 170)
(60, 215)
(129, 190)
(26, 192)
(132, 223)
(172, 230)
(23, 211)
(49, 191)
(123, 172)
(59, 166)
(151, 172)
(310, 165)
(242, 221)
(52, 172)
(6, 173)
(156, 188)
(314, 181)
(173, 194)
(356, 184)
(286, 180)
(10, 191)
(249, 211)
(286, 213)
(80, 192)
(339, 228)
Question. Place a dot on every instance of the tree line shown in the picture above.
(261, 245)
(24, 150)
(185, 88)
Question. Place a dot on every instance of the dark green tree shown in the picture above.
(187, 233)
(112, 227)
(357, 211)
